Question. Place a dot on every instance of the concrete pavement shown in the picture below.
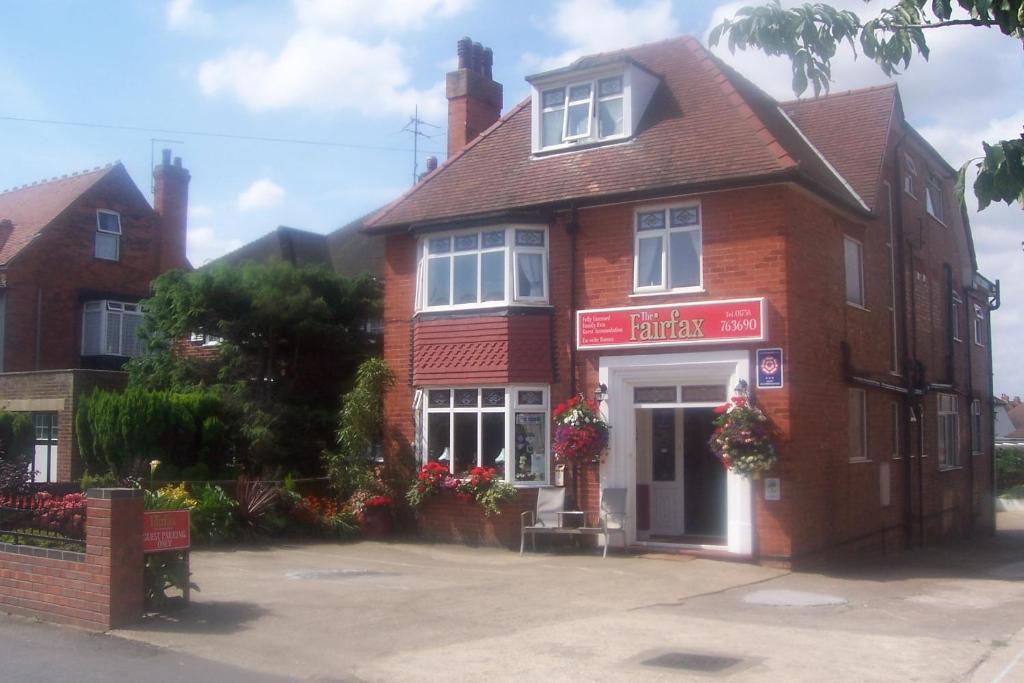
(412, 612)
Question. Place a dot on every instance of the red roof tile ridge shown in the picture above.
(101, 170)
(626, 51)
(761, 130)
(842, 93)
(446, 163)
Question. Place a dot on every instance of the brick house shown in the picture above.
(77, 255)
(655, 184)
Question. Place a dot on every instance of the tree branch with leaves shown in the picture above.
(811, 34)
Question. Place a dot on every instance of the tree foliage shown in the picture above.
(361, 427)
(810, 35)
(121, 432)
(291, 339)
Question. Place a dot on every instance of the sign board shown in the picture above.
(165, 530)
(773, 489)
(769, 368)
(703, 322)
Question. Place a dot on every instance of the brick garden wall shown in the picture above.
(99, 589)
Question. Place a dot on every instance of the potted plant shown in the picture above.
(742, 439)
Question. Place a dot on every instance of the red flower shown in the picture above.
(721, 409)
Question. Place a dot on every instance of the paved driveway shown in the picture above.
(412, 612)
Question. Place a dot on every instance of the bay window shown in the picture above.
(111, 328)
(486, 267)
(667, 249)
(501, 427)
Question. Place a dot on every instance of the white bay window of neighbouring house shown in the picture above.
(668, 249)
(111, 328)
(501, 427)
(488, 267)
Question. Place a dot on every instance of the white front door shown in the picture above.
(45, 464)
(665, 458)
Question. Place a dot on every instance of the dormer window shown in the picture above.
(577, 107)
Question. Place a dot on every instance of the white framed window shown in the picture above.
(853, 260)
(592, 109)
(934, 199)
(483, 267)
(948, 431)
(976, 435)
(504, 427)
(909, 175)
(203, 339)
(667, 249)
(108, 235)
(955, 314)
(111, 328)
(979, 325)
(895, 412)
(857, 424)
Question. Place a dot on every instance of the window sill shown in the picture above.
(936, 218)
(582, 146)
(858, 461)
(669, 292)
(859, 307)
(483, 308)
(950, 468)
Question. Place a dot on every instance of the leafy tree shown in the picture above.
(811, 34)
(291, 339)
(350, 466)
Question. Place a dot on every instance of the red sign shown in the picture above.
(705, 322)
(165, 530)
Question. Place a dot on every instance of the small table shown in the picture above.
(576, 519)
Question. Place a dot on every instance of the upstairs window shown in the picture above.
(487, 267)
(853, 258)
(979, 325)
(934, 200)
(909, 175)
(111, 328)
(108, 235)
(667, 249)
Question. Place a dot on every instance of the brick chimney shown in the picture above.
(170, 199)
(474, 99)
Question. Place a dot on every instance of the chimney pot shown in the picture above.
(463, 48)
(177, 162)
(474, 98)
(431, 163)
(166, 155)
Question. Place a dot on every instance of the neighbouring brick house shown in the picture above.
(655, 184)
(77, 255)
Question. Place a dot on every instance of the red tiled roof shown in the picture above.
(851, 130)
(704, 125)
(32, 207)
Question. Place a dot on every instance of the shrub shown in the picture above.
(89, 481)
(1009, 467)
(213, 516)
(17, 436)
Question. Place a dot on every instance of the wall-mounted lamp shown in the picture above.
(601, 392)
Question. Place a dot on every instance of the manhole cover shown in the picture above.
(692, 661)
(787, 598)
(307, 574)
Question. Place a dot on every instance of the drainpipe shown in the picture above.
(970, 408)
(995, 302)
(572, 228)
(39, 326)
(950, 344)
(908, 360)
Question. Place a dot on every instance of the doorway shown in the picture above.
(681, 485)
(45, 462)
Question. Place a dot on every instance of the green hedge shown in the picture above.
(17, 435)
(1009, 467)
(122, 432)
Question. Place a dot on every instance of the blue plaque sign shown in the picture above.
(769, 368)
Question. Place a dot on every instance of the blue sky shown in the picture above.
(351, 71)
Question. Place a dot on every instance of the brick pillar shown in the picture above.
(114, 549)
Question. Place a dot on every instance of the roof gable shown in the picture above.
(31, 208)
(851, 129)
(704, 125)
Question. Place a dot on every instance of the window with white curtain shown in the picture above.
(111, 328)
(483, 267)
(667, 249)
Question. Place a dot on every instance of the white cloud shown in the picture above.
(388, 14)
(322, 72)
(589, 26)
(205, 244)
(262, 194)
(187, 15)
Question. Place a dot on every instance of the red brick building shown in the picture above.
(77, 254)
(656, 185)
